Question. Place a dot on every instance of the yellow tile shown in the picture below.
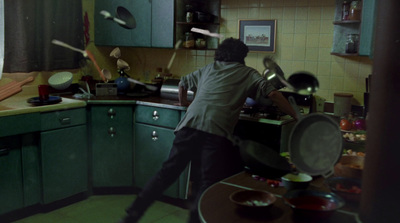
(312, 40)
(324, 82)
(253, 13)
(265, 13)
(300, 40)
(311, 66)
(325, 40)
(289, 3)
(324, 68)
(314, 13)
(243, 4)
(326, 27)
(277, 13)
(300, 26)
(289, 13)
(299, 53)
(350, 84)
(286, 39)
(351, 69)
(328, 12)
(324, 54)
(298, 66)
(301, 13)
(243, 13)
(312, 54)
(287, 53)
(232, 13)
(265, 3)
(337, 69)
(254, 3)
(232, 26)
(301, 2)
(337, 83)
(288, 26)
(313, 26)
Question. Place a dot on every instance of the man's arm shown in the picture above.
(282, 103)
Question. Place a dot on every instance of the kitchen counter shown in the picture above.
(215, 206)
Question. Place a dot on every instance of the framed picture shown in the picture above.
(258, 35)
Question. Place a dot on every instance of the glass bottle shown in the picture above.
(345, 10)
(355, 10)
(352, 43)
(189, 13)
(189, 40)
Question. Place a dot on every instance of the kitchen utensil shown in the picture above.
(91, 57)
(342, 104)
(296, 181)
(108, 16)
(347, 188)
(272, 71)
(123, 65)
(107, 74)
(177, 44)
(252, 199)
(262, 160)
(315, 143)
(149, 87)
(38, 102)
(13, 88)
(127, 17)
(303, 83)
(206, 32)
(116, 53)
(313, 204)
(59, 43)
(61, 80)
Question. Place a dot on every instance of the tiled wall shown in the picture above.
(303, 42)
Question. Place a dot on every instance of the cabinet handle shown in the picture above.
(4, 151)
(111, 112)
(154, 136)
(65, 120)
(156, 116)
(112, 132)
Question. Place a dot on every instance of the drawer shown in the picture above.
(19, 124)
(157, 116)
(112, 114)
(62, 119)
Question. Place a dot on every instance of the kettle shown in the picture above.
(122, 82)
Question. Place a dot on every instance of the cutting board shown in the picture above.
(12, 88)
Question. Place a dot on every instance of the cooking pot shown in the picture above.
(271, 72)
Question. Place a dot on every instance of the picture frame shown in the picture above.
(258, 35)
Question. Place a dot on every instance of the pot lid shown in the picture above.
(315, 144)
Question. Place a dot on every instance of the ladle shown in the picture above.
(303, 83)
(108, 15)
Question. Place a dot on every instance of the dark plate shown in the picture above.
(37, 102)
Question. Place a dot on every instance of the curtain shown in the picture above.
(30, 25)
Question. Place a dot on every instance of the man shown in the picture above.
(205, 135)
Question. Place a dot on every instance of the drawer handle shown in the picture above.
(4, 151)
(154, 136)
(112, 132)
(111, 112)
(156, 116)
(65, 121)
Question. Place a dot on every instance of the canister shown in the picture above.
(342, 104)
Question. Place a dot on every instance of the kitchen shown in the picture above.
(336, 74)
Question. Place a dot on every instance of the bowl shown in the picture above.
(293, 181)
(349, 166)
(252, 199)
(61, 80)
(347, 188)
(312, 204)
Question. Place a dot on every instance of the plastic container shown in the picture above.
(342, 104)
(189, 40)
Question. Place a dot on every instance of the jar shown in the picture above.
(355, 10)
(200, 43)
(342, 104)
(189, 13)
(352, 43)
(345, 10)
(189, 40)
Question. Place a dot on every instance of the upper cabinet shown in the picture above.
(202, 14)
(150, 23)
(354, 29)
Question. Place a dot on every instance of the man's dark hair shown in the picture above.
(231, 50)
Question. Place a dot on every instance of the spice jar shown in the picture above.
(189, 40)
(345, 10)
(355, 10)
(352, 43)
(189, 13)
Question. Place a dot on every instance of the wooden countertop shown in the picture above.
(215, 206)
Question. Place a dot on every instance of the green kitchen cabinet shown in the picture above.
(111, 133)
(154, 24)
(153, 138)
(64, 154)
(11, 183)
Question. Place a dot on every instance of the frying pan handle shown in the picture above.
(328, 174)
(295, 107)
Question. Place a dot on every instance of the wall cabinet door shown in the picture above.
(152, 147)
(154, 24)
(64, 162)
(111, 130)
(11, 187)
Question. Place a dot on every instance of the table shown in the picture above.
(215, 206)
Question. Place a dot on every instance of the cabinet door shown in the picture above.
(367, 28)
(152, 147)
(11, 192)
(109, 33)
(64, 163)
(162, 27)
(112, 145)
